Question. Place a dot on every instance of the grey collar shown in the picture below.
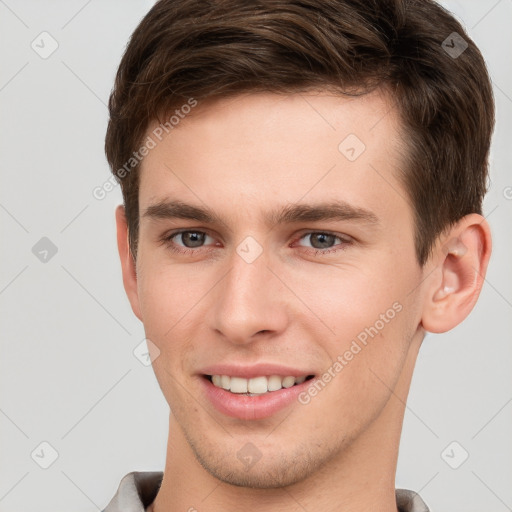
(138, 489)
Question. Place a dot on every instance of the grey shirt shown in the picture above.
(138, 489)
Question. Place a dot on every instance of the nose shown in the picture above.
(249, 302)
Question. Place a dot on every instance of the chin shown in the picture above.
(273, 469)
(266, 476)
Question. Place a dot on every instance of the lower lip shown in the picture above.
(252, 407)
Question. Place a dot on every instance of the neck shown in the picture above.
(361, 478)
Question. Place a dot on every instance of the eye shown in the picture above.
(322, 242)
(190, 240)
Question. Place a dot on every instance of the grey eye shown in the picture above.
(191, 239)
(321, 240)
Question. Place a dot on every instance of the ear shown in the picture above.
(461, 257)
(127, 263)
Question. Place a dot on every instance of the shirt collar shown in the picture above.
(138, 489)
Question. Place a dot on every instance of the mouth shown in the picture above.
(253, 397)
(256, 386)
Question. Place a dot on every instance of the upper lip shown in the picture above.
(255, 370)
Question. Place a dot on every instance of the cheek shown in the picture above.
(166, 294)
(164, 312)
(349, 300)
(173, 302)
(167, 308)
(363, 375)
(372, 319)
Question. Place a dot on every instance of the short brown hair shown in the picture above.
(185, 49)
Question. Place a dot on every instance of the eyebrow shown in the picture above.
(288, 214)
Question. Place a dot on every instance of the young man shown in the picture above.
(302, 187)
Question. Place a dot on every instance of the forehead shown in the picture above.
(260, 151)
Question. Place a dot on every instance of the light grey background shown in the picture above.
(68, 373)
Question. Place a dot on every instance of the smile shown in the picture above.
(256, 386)
(253, 393)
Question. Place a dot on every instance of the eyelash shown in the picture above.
(167, 239)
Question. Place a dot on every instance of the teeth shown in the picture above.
(275, 383)
(238, 385)
(225, 382)
(256, 385)
(288, 382)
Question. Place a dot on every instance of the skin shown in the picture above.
(243, 157)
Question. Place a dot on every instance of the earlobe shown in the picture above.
(127, 262)
(462, 258)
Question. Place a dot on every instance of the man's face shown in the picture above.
(250, 298)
